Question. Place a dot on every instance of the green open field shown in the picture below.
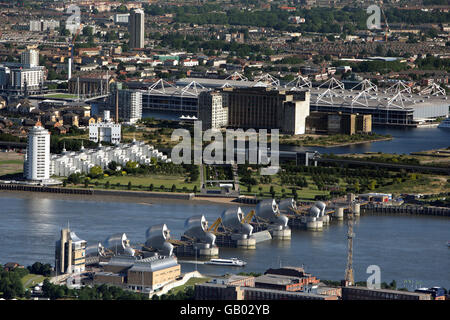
(190, 283)
(10, 163)
(61, 96)
(31, 280)
(144, 181)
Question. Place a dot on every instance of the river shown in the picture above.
(410, 249)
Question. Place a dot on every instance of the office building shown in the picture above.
(70, 253)
(211, 110)
(338, 123)
(18, 79)
(30, 58)
(130, 105)
(106, 131)
(144, 275)
(37, 158)
(136, 29)
(43, 25)
(266, 108)
(121, 18)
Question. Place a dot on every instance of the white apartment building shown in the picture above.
(190, 62)
(17, 78)
(67, 163)
(121, 18)
(130, 105)
(211, 110)
(106, 131)
(37, 157)
(43, 25)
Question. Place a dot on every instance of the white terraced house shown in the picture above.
(81, 162)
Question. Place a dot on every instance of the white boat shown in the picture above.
(235, 262)
(445, 123)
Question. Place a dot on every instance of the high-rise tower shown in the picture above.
(136, 29)
(37, 158)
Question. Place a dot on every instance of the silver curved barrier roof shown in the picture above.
(232, 218)
(157, 237)
(119, 244)
(314, 212)
(287, 205)
(322, 206)
(95, 250)
(268, 209)
(197, 227)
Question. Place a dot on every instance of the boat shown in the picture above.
(235, 262)
(445, 123)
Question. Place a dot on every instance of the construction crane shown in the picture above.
(71, 46)
(349, 277)
(386, 27)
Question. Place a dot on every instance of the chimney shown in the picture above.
(117, 105)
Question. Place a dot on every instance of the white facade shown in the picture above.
(190, 62)
(212, 112)
(136, 28)
(130, 105)
(121, 18)
(43, 25)
(105, 131)
(37, 157)
(81, 162)
(30, 58)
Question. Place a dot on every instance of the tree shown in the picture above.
(112, 166)
(96, 172)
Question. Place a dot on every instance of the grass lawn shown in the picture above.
(61, 96)
(190, 283)
(145, 181)
(10, 163)
(31, 280)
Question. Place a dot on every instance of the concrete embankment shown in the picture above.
(406, 210)
(120, 193)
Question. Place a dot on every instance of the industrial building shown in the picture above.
(289, 283)
(338, 123)
(266, 108)
(165, 97)
(363, 293)
(397, 105)
(94, 85)
(36, 166)
(139, 274)
(70, 253)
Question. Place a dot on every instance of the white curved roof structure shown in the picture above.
(157, 237)
(197, 227)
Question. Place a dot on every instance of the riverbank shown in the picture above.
(105, 197)
(333, 141)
